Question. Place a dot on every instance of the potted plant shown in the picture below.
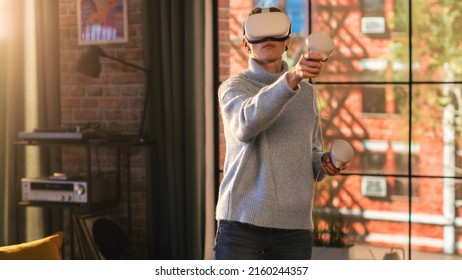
(331, 239)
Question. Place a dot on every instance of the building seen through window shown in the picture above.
(396, 96)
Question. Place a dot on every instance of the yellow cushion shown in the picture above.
(47, 248)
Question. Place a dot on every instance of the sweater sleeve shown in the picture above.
(249, 113)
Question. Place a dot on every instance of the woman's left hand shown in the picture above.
(328, 167)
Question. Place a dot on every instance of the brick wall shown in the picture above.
(114, 101)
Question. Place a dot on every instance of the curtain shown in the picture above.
(12, 114)
(29, 99)
(179, 201)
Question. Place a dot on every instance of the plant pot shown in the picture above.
(330, 253)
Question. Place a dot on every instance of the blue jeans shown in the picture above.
(239, 241)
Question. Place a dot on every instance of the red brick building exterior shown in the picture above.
(375, 119)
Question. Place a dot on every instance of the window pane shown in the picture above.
(374, 223)
(437, 128)
(437, 40)
(377, 224)
(435, 218)
(372, 46)
(371, 39)
(373, 119)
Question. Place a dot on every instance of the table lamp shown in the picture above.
(89, 65)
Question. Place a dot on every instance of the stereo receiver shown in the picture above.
(66, 191)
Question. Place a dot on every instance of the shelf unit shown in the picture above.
(122, 145)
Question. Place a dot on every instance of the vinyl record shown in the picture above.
(109, 238)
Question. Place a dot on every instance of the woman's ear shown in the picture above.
(246, 45)
(287, 43)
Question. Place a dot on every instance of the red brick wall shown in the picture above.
(114, 100)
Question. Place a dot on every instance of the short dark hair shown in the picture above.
(258, 10)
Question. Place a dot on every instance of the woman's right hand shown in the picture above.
(308, 66)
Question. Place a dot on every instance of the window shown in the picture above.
(459, 191)
(396, 95)
(373, 101)
(374, 187)
(373, 17)
(373, 161)
(399, 187)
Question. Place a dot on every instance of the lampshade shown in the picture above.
(88, 63)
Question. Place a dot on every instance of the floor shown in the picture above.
(368, 252)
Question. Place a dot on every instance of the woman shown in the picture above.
(274, 150)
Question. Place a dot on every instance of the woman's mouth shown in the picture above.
(268, 45)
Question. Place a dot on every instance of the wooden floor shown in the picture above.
(367, 252)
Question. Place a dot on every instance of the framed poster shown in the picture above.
(102, 21)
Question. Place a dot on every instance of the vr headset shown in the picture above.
(267, 26)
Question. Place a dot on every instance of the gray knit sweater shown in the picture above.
(273, 150)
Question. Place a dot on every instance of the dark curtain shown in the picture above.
(48, 89)
(175, 56)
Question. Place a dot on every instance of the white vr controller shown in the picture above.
(341, 153)
(320, 43)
